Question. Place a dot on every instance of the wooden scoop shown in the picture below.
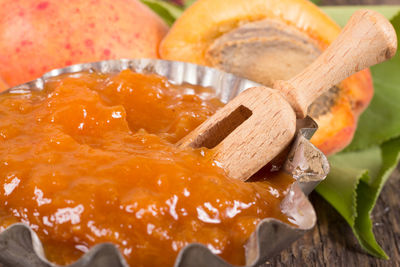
(260, 122)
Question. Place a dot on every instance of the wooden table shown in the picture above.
(331, 242)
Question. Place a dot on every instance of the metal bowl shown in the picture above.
(20, 246)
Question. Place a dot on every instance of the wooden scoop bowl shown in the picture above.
(260, 122)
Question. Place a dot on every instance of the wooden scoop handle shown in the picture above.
(366, 40)
(260, 122)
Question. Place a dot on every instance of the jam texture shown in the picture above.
(91, 159)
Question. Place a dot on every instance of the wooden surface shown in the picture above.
(331, 242)
(248, 132)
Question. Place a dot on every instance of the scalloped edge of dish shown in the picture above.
(20, 246)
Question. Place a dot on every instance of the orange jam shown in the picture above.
(91, 159)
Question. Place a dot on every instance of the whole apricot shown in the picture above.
(38, 36)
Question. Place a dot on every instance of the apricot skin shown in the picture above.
(199, 26)
(3, 85)
(38, 36)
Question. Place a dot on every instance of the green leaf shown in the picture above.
(168, 12)
(316, 1)
(359, 173)
(341, 14)
(354, 184)
(188, 3)
(367, 194)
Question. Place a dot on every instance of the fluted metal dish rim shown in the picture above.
(200, 75)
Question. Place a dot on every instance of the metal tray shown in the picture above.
(20, 246)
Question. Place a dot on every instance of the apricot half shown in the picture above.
(37, 36)
(268, 40)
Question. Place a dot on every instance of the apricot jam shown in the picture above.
(91, 159)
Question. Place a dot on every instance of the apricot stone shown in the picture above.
(38, 36)
(269, 40)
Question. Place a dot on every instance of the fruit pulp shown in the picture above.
(91, 159)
